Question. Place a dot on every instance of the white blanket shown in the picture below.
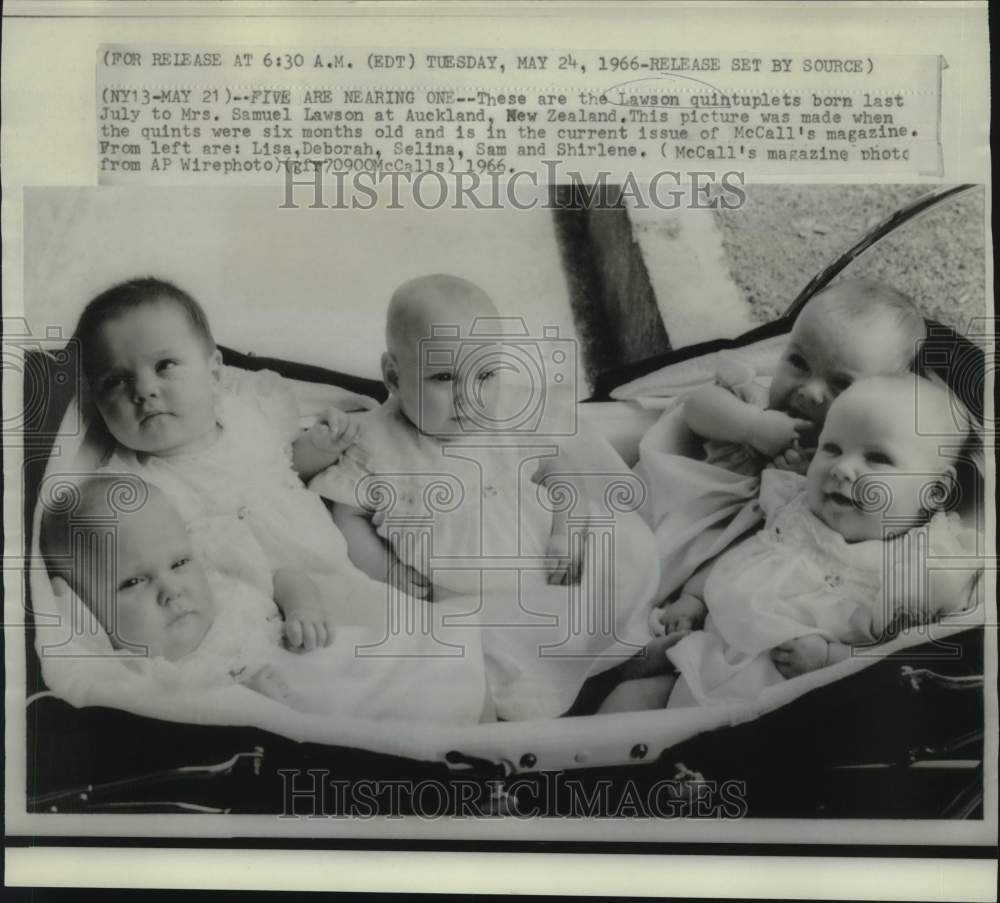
(415, 666)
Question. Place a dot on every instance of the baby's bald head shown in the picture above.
(922, 410)
(428, 301)
(433, 394)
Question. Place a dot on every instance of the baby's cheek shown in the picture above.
(875, 493)
(116, 420)
(780, 392)
(920, 492)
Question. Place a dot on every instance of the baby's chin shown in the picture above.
(453, 431)
(850, 523)
(187, 640)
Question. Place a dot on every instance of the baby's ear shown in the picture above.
(215, 364)
(947, 488)
(390, 374)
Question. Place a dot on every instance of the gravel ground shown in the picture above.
(785, 234)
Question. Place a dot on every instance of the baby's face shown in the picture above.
(826, 353)
(447, 401)
(154, 382)
(873, 476)
(162, 600)
(447, 388)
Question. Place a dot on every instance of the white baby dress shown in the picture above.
(446, 510)
(797, 576)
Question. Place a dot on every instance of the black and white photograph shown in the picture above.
(593, 510)
(525, 448)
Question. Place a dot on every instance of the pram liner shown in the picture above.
(834, 733)
(836, 740)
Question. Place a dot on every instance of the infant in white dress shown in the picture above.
(189, 630)
(444, 495)
(439, 453)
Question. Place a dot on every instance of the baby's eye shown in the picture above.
(111, 384)
(442, 377)
(130, 583)
(879, 458)
(798, 361)
(831, 448)
(181, 562)
(840, 384)
(485, 375)
(166, 364)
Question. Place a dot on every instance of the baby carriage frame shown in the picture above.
(902, 738)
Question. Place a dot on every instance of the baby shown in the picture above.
(439, 498)
(223, 454)
(414, 443)
(152, 596)
(855, 329)
(838, 562)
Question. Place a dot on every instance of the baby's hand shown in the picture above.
(408, 580)
(801, 655)
(652, 660)
(334, 432)
(793, 459)
(685, 614)
(774, 431)
(563, 565)
(308, 628)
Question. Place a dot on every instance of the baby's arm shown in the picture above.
(370, 553)
(808, 653)
(564, 562)
(714, 412)
(685, 613)
(580, 456)
(308, 622)
(323, 443)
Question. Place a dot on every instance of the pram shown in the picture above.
(900, 736)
